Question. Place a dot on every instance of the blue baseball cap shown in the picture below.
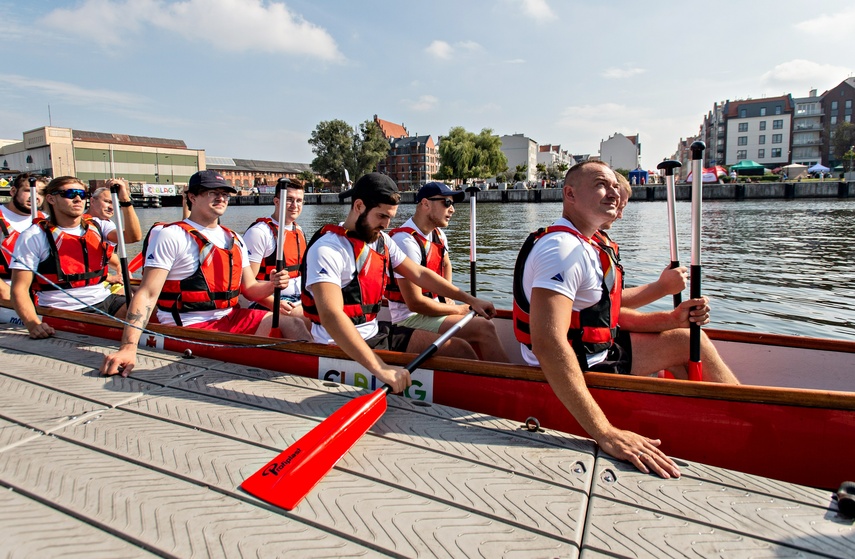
(432, 189)
(208, 179)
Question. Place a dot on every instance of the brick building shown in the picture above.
(412, 160)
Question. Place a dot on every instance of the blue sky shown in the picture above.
(253, 78)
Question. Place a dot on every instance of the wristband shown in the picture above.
(126, 204)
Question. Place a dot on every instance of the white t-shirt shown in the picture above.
(566, 264)
(32, 248)
(330, 260)
(17, 222)
(175, 250)
(410, 246)
(260, 243)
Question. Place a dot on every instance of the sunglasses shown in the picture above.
(72, 193)
(447, 201)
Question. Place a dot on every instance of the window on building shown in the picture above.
(834, 105)
(762, 111)
(743, 127)
(763, 125)
(743, 113)
(761, 154)
(742, 154)
(742, 141)
(777, 138)
(777, 124)
(777, 109)
(776, 152)
(761, 139)
(848, 118)
(848, 104)
(833, 119)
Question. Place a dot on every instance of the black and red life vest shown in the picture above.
(74, 261)
(364, 294)
(8, 238)
(294, 248)
(432, 253)
(593, 329)
(214, 285)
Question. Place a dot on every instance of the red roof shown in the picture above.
(391, 130)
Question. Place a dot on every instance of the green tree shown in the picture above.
(309, 179)
(842, 139)
(337, 147)
(541, 171)
(521, 172)
(464, 155)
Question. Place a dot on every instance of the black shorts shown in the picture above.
(619, 358)
(393, 338)
(110, 305)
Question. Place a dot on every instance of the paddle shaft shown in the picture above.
(280, 256)
(695, 369)
(669, 167)
(473, 194)
(34, 204)
(120, 241)
(303, 464)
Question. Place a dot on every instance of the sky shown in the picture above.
(253, 78)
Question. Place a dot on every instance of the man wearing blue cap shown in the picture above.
(423, 241)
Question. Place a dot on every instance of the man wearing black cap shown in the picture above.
(195, 269)
(345, 272)
(423, 241)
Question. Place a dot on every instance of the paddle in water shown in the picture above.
(695, 366)
(289, 477)
(669, 166)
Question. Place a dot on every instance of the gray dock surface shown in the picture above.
(150, 466)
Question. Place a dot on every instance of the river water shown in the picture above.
(777, 266)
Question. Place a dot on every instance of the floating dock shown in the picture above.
(150, 466)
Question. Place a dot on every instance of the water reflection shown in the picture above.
(770, 266)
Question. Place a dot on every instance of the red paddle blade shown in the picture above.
(696, 370)
(135, 263)
(289, 477)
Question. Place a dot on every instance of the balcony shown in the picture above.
(807, 142)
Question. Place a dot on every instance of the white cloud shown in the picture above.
(537, 9)
(515, 61)
(798, 76)
(70, 93)
(622, 73)
(445, 51)
(228, 25)
(423, 103)
(828, 26)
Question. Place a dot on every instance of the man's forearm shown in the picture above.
(137, 317)
(634, 321)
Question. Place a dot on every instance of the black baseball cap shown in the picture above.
(432, 189)
(209, 179)
(374, 187)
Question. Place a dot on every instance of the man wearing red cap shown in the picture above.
(195, 269)
(345, 272)
(423, 241)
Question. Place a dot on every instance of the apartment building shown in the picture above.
(521, 150)
(807, 130)
(713, 135)
(836, 107)
(620, 152)
(759, 130)
(412, 160)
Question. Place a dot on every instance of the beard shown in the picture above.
(19, 206)
(363, 231)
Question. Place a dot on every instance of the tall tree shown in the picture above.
(842, 138)
(337, 146)
(464, 155)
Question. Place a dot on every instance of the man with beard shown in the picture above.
(424, 242)
(15, 217)
(345, 271)
(195, 269)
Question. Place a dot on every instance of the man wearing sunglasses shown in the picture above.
(15, 217)
(194, 271)
(423, 241)
(63, 259)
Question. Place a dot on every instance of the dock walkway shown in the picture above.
(150, 466)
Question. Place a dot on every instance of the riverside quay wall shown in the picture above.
(732, 191)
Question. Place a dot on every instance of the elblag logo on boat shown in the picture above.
(351, 373)
(279, 466)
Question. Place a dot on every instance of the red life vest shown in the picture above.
(363, 295)
(593, 329)
(432, 253)
(214, 285)
(606, 243)
(8, 238)
(294, 247)
(74, 261)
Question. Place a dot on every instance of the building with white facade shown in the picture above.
(552, 156)
(807, 130)
(620, 152)
(759, 130)
(521, 150)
